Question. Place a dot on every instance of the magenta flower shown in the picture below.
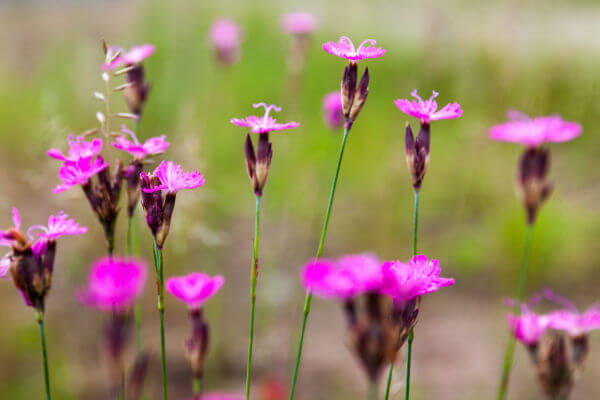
(426, 111)
(225, 39)
(298, 23)
(345, 48)
(114, 284)
(406, 281)
(194, 289)
(533, 132)
(74, 173)
(135, 55)
(139, 151)
(265, 123)
(332, 110)
(528, 327)
(78, 149)
(345, 278)
(58, 225)
(172, 178)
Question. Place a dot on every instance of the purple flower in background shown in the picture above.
(78, 149)
(114, 284)
(139, 151)
(532, 132)
(172, 178)
(333, 113)
(406, 281)
(225, 40)
(58, 225)
(426, 110)
(298, 23)
(135, 55)
(194, 289)
(79, 172)
(345, 48)
(528, 327)
(263, 124)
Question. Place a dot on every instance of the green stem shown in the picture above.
(39, 316)
(388, 383)
(510, 346)
(254, 276)
(308, 297)
(197, 387)
(415, 222)
(158, 263)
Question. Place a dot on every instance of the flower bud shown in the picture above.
(553, 368)
(258, 164)
(29, 277)
(132, 176)
(167, 213)
(348, 88)
(417, 153)
(533, 184)
(136, 93)
(152, 203)
(196, 346)
(581, 348)
(360, 96)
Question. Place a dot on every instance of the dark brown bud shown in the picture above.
(553, 367)
(581, 348)
(29, 275)
(348, 88)
(163, 231)
(116, 334)
(417, 153)
(250, 158)
(258, 164)
(360, 96)
(196, 345)
(533, 183)
(404, 314)
(136, 93)
(132, 176)
(152, 203)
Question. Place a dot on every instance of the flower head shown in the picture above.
(194, 289)
(528, 327)
(533, 132)
(78, 149)
(298, 23)
(139, 151)
(225, 40)
(332, 110)
(426, 110)
(58, 225)
(263, 124)
(406, 281)
(345, 48)
(575, 323)
(171, 178)
(114, 284)
(79, 172)
(135, 55)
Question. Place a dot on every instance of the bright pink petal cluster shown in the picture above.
(332, 110)
(79, 148)
(135, 55)
(194, 289)
(263, 124)
(139, 151)
(576, 323)
(533, 132)
(345, 48)
(426, 110)
(528, 327)
(225, 34)
(298, 23)
(173, 178)
(58, 225)
(114, 284)
(73, 173)
(406, 281)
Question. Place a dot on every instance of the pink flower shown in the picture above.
(426, 111)
(224, 34)
(298, 23)
(528, 327)
(78, 149)
(575, 323)
(114, 284)
(6, 239)
(172, 178)
(194, 289)
(58, 225)
(332, 110)
(405, 281)
(135, 55)
(345, 278)
(79, 172)
(139, 151)
(533, 132)
(219, 396)
(265, 123)
(345, 48)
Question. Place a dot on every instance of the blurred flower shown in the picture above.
(152, 146)
(58, 225)
(575, 323)
(135, 55)
(298, 23)
(172, 178)
(265, 123)
(73, 173)
(78, 149)
(225, 39)
(194, 289)
(528, 327)
(332, 110)
(426, 111)
(345, 48)
(219, 396)
(532, 132)
(114, 284)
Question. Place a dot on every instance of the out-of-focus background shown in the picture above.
(539, 57)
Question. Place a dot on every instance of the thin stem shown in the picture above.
(254, 276)
(39, 316)
(158, 263)
(388, 383)
(415, 222)
(197, 387)
(510, 346)
(308, 297)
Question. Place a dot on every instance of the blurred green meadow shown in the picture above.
(538, 57)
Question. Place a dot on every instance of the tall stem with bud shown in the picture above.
(254, 277)
(40, 319)
(160, 283)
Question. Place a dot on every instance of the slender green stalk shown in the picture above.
(308, 298)
(416, 222)
(510, 346)
(197, 387)
(254, 276)
(39, 316)
(388, 382)
(160, 280)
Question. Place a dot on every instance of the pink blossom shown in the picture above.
(79, 172)
(172, 178)
(528, 327)
(224, 34)
(194, 289)
(6, 238)
(265, 123)
(533, 132)
(575, 323)
(114, 284)
(345, 278)
(135, 55)
(298, 23)
(332, 110)
(58, 225)
(426, 111)
(345, 48)
(78, 149)
(139, 151)
(405, 281)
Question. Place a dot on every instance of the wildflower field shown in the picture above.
(299, 200)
